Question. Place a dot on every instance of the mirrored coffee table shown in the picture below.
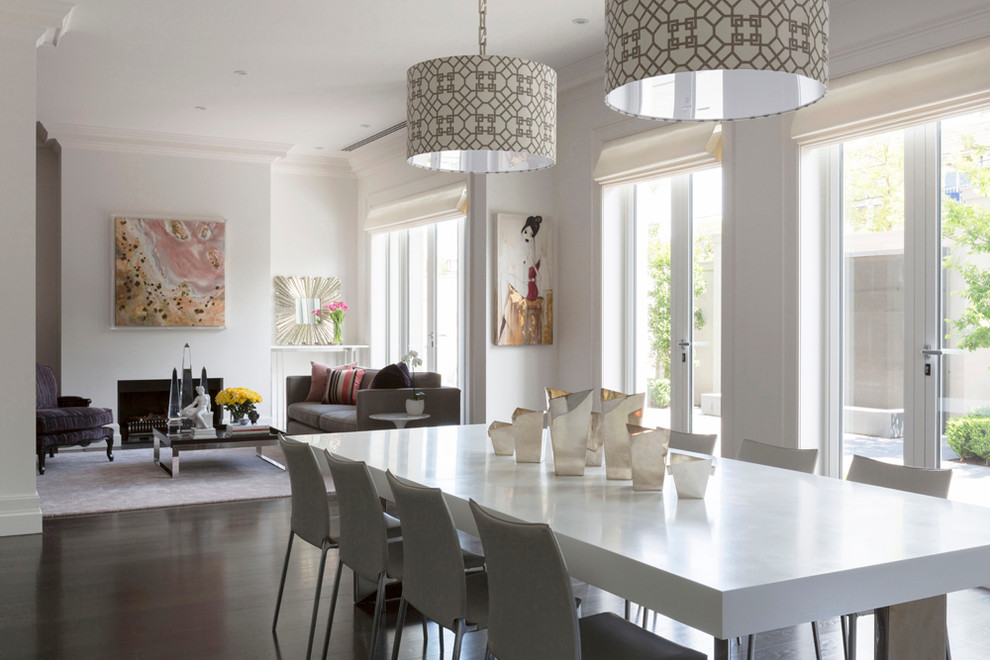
(177, 443)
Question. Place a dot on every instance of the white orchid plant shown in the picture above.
(412, 361)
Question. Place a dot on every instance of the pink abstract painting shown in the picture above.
(169, 273)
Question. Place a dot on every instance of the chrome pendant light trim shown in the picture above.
(481, 113)
(714, 60)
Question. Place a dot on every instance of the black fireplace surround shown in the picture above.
(142, 405)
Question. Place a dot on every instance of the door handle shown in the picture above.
(938, 352)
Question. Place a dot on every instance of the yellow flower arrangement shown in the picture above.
(238, 400)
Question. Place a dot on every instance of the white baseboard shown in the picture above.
(20, 515)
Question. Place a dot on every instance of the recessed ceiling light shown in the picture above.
(201, 107)
(240, 72)
(579, 21)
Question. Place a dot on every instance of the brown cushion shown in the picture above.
(318, 380)
(392, 377)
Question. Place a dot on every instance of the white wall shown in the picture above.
(516, 376)
(96, 184)
(314, 231)
(20, 512)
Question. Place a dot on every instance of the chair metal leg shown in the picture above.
(281, 585)
(818, 640)
(751, 647)
(399, 621)
(440, 632)
(110, 449)
(628, 610)
(379, 606)
(426, 635)
(316, 601)
(851, 652)
(458, 638)
(333, 607)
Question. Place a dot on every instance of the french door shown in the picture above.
(662, 282)
(915, 299)
(417, 289)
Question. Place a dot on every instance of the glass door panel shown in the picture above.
(448, 297)
(872, 311)
(677, 251)
(964, 378)
(652, 369)
(420, 291)
(706, 232)
(394, 309)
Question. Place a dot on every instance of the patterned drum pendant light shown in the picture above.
(698, 60)
(481, 113)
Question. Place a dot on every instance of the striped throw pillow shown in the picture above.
(343, 385)
(318, 380)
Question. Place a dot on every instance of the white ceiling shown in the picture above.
(316, 70)
(319, 69)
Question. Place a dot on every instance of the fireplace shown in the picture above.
(142, 405)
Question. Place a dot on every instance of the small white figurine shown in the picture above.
(199, 410)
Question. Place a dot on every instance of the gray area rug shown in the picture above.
(85, 482)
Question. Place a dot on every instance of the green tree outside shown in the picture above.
(658, 310)
(968, 226)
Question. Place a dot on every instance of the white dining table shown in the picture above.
(766, 548)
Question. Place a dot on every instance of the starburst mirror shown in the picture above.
(298, 309)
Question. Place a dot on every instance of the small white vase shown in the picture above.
(415, 406)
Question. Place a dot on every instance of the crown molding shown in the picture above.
(589, 71)
(922, 39)
(378, 154)
(94, 138)
(42, 139)
(324, 166)
(44, 21)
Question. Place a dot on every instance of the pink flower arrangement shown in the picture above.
(335, 311)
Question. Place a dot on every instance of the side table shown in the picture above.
(399, 419)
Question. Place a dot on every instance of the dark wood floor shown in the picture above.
(200, 582)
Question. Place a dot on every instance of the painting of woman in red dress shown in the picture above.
(525, 313)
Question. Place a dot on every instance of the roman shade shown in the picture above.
(665, 150)
(424, 208)
(911, 91)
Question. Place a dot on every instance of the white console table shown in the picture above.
(331, 354)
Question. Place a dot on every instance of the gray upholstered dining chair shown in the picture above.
(311, 519)
(696, 442)
(923, 481)
(799, 460)
(531, 605)
(364, 544)
(434, 577)
(787, 458)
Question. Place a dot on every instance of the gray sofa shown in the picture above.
(443, 405)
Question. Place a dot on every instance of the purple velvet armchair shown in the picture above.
(66, 420)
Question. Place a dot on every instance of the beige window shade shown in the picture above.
(919, 89)
(658, 152)
(424, 208)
